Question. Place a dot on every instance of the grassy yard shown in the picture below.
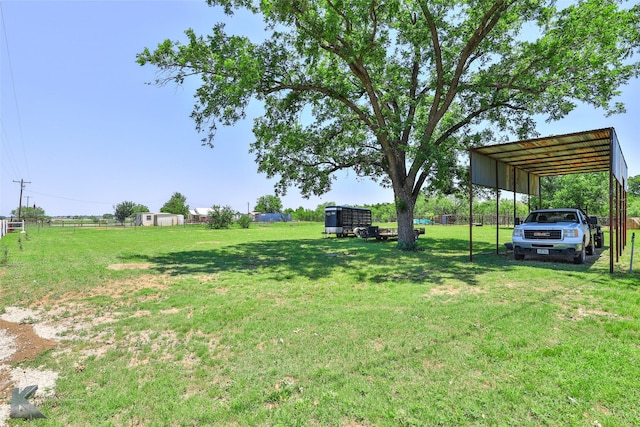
(275, 325)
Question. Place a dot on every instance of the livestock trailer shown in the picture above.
(343, 220)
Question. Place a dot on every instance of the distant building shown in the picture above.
(150, 219)
(198, 215)
(270, 217)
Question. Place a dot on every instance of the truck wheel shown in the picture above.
(591, 248)
(582, 256)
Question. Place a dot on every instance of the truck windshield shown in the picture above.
(552, 217)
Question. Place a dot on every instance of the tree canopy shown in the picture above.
(269, 204)
(126, 209)
(177, 204)
(394, 89)
(634, 196)
(29, 212)
(589, 191)
(634, 185)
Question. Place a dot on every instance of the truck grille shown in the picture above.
(543, 234)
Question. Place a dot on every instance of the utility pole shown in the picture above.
(22, 183)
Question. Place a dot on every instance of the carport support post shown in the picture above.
(529, 192)
(515, 213)
(497, 212)
(625, 217)
(611, 206)
(470, 207)
(618, 216)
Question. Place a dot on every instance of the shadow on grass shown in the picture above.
(315, 259)
(596, 266)
(438, 260)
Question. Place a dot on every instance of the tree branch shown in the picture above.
(472, 116)
(489, 20)
(511, 86)
(302, 88)
(438, 60)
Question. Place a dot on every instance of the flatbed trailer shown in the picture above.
(379, 233)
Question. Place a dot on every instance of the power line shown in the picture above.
(70, 198)
(13, 86)
(7, 158)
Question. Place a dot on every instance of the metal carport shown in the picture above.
(518, 167)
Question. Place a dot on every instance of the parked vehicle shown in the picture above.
(344, 221)
(565, 232)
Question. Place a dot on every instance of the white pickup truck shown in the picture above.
(554, 232)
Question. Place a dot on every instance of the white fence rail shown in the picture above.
(7, 226)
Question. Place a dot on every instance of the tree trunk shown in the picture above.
(404, 209)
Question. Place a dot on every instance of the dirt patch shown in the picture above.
(452, 290)
(24, 335)
(130, 266)
(582, 313)
(26, 343)
(445, 290)
(19, 343)
(114, 289)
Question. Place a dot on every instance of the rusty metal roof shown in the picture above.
(581, 152)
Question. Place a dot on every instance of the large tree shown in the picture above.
(269, 204)
(126, 209)
(393, 89)
(29, 212)
(177, 204)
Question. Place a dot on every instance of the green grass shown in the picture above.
(274, 325)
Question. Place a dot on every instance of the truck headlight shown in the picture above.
(571, 233)
(517, 232)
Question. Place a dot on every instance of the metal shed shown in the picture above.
(518, 167)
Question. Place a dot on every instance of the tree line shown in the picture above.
(589, 191)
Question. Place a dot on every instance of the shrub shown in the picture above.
(244, 221)
(220, 217)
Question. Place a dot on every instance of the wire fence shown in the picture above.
(8, 226)
(479, 220)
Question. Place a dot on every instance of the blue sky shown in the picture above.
(80, 124)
